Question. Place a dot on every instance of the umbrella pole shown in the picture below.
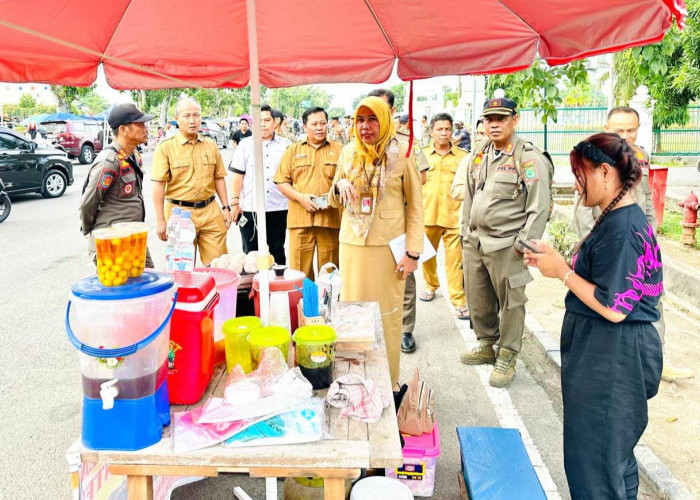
(264, 259)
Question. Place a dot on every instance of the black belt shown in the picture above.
(192, 204)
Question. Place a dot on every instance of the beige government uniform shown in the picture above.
(112, 193)
(502, 207)
(189, 169)
(441, 214)
(585, 217)
(367, 265)
(341, 137)
(311, 170)
(409, 298)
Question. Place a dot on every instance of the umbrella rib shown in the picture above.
(114, 32)
(101, 55)
(381, 27)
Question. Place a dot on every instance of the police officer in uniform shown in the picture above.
(113, 190)
(507, 199)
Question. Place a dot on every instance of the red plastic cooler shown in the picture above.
(191, 356)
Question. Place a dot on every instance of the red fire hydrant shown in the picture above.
(690, 218)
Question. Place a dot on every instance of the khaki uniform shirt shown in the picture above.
(419, 157)
(503, 207)
(310, 170)
(112, 191)
(399, 211)
(188, 168)
(439, 209)
(341, 136)
(585, 217)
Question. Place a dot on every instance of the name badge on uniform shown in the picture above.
(301, 155)
(366, 204)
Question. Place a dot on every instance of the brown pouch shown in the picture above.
(413, 415)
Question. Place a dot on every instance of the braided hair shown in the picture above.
(609, 147)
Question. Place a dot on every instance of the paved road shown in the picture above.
(44, 253)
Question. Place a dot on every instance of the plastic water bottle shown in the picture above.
(171, 231)
(184, 250)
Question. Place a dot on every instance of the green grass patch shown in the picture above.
(672, 229)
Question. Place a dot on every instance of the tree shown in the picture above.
(293, 101)
(538, 86)
(27, 102)
(336, 111)
(399, 91)
(66, 95)
(670, 69)
(91, 103)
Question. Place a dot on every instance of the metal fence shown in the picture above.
(574, 124)
(679, 140)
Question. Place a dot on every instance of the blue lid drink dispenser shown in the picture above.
(123, 336)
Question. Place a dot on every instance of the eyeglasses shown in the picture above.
(593, 153)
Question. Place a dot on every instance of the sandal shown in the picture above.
(462, 312)
(426, 296)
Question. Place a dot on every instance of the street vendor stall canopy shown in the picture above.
(150, 44)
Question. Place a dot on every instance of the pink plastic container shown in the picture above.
(227, 285)
(420, 454)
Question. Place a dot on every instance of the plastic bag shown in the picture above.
(190, 435)
(278, 393)
(303, 424)
(329, 284)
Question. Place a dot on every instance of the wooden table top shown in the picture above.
(355, 444)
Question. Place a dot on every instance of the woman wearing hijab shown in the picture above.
(611, 352)
(380, 193)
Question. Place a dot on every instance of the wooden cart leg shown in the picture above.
(139, 487)
(333, 488)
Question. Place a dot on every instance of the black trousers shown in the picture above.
(276, 233)
(608, 372)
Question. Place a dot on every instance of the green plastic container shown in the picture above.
(315, 354)
(268, 336)
(236, 333)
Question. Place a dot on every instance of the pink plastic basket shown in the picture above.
(420, 454)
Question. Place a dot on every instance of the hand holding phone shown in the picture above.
(530, 246)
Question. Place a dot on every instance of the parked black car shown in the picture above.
(211, 129)
(25, 167)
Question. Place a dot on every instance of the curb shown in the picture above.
(661, 478)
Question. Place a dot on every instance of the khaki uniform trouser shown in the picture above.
(304, 241)
(409, 304)
(453, 263)
(496, 295)
(211, 230)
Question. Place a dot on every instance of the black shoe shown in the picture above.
(408, 343)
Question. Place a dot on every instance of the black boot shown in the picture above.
(408, 343)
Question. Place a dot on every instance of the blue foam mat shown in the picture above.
(496, 466)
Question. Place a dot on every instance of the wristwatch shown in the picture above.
(226, 207)
(412, 257)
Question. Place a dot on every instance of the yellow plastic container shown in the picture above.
(236, 344)
(265, 337)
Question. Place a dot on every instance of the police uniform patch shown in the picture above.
(128, 189)
(530, 171)
(508, 149)
(640, 155)
(106, 179)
